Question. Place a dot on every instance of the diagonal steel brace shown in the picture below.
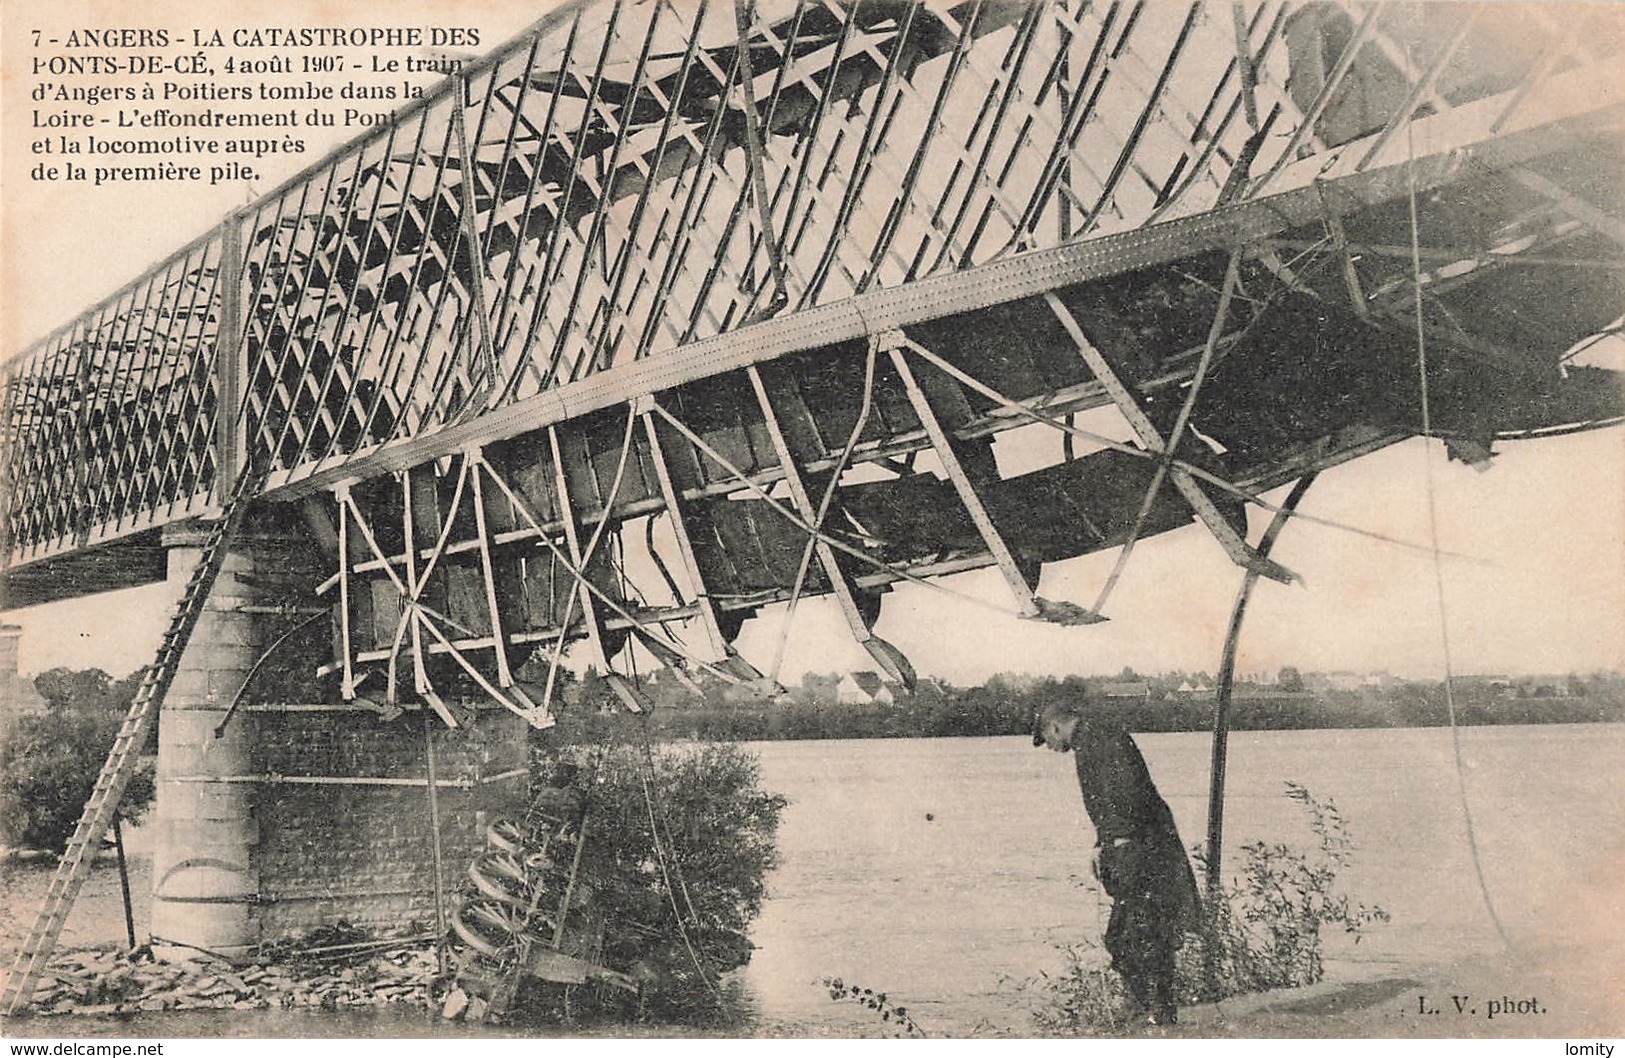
(1238, 549)
(894, 343)
(716, 645)
(1032, 605)
(886, 655)
(589, 609)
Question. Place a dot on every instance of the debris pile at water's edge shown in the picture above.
(111, 982)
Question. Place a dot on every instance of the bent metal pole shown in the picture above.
(1226, 682)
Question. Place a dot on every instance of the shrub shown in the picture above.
(1265, 934)
(680, 840)
(48, 768)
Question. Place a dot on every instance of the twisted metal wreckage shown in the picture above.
(664, 313)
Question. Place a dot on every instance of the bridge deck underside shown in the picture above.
(1304, 377)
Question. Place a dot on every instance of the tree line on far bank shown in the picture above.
(50, 755)
(1005, 705)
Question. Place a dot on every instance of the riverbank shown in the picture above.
(940, 870)
(1559, 992)
(1563, 991)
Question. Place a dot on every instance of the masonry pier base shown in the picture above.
(303, 813)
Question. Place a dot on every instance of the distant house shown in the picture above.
(1496, 684)
(862, 688)
(1349, 681)
(1195, 689)
(1126, 690)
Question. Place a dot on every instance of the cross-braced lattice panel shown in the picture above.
(110, 421)
(630, 178)
(599, 192)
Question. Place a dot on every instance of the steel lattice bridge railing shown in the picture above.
(650, 259)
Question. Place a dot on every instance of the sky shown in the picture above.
(1545, 525)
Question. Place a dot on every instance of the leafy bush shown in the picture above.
(1268, 933)
(680, 840)
(49, 764)
(1265, 934)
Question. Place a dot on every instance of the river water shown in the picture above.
(946, 871)
(943, 871)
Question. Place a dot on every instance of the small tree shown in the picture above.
(679, 843)
(686, 838)
(49, 765)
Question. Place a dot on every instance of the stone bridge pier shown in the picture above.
(303, 811)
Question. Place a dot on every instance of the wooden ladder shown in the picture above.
(125, 755)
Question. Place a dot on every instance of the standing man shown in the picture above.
(1142, 861)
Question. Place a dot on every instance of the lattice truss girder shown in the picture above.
(668, 520)
(595, 193)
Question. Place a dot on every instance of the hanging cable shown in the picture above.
(661, 858)
(435, 845)
(1171, 443)
(1433, 532)
(660, 563)
(835, 473)
(242, 688)
(660, 851)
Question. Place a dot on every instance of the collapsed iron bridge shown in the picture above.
(662, 314)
